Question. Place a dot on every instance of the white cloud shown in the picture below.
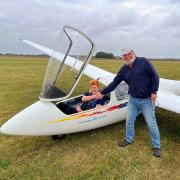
(151, 27)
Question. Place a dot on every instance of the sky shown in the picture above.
(151, 28)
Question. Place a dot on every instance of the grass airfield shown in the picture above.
(87, 155)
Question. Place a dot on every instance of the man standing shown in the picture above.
(143, 82)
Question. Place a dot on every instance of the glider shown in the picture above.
(71, 59)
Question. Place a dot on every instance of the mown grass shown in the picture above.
(86, 155)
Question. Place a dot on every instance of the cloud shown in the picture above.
(151, 27)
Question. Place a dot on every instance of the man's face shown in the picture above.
(128, 58)
(94, 89)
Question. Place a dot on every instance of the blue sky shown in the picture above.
(152, 28)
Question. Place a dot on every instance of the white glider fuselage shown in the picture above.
(44, 118)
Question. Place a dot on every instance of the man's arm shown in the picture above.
(154, 80)
(154, 77)
(118, 79)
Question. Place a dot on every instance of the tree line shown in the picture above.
(102, 54)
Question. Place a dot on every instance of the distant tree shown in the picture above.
(102, 54)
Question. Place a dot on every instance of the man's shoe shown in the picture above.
(156, 152)
(123, 143)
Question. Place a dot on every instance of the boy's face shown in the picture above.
(94, 89)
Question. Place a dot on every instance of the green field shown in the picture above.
(87, 155)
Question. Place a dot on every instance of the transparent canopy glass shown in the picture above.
(66, 64)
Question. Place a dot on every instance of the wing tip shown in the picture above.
(20, 39)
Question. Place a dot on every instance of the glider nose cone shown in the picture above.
(32, 120)
(3, 129)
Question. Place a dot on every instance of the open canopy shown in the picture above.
(60, 79)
